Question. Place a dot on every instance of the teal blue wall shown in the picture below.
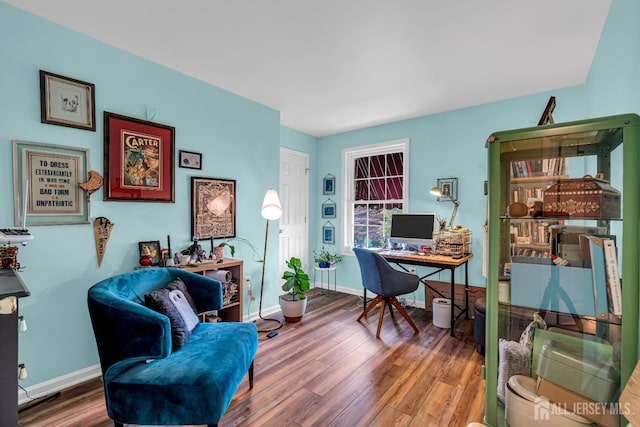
(451, 144)
(239, 140)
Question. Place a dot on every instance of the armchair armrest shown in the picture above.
(125, 329)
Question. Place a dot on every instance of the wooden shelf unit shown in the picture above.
(233, 311)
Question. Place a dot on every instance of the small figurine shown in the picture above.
(176, 259)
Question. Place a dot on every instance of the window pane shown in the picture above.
(394, 188)
(362, 167)
(377, 189)
(376, 215)
(360, 236)
(376, 237)
(377, 165)
(394, 164)
(362, 190)
(360, 215)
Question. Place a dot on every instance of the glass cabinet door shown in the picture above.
(563, 266)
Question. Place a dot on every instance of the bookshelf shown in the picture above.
(570, 256)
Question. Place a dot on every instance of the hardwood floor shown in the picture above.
(330, 370)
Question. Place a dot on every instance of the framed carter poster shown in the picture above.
(138, 160)
(213, 208)
(45, 184)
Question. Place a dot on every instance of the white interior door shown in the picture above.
(294, 197)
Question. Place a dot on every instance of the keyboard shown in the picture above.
(15, 235)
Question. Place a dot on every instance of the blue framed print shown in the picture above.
(329, 184)
(329, 209)
(328, 234)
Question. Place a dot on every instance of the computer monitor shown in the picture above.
(412, 230)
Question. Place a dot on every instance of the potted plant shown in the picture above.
(294, 303)
(218, 250)
(326, 259)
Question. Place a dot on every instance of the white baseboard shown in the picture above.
(350, 291)
(60, 383)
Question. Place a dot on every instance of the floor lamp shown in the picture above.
(271, 210)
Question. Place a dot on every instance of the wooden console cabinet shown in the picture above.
(231, 312)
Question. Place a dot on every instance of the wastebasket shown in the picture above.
(442, 313)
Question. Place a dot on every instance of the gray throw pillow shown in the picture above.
(159, 301)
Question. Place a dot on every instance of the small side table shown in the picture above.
(328, 271)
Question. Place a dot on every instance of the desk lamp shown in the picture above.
(271, 210)
(437, 191)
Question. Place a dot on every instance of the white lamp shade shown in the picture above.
(271, 208)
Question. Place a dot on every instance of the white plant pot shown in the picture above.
(292, 310)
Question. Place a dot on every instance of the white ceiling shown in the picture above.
(335, 65)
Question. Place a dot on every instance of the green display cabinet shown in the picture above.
(563, 242)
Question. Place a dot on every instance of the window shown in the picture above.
(375, 180)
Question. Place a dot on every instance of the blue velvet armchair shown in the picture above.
(386, 282)
(145, 381)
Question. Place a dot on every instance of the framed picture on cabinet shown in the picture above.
(213, 208)
(138, 160)
(67, 102)
(151, 248)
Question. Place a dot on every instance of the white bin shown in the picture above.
(442, 312)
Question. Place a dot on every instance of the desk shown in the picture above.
(440, 263)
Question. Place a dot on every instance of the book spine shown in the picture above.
(613, 277)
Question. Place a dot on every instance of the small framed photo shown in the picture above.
(449, 188)
(189, 159)
(153, 249)
(67, 102)
(328, 234)
(329, 209)
(329, 184)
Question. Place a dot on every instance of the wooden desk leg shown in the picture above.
(453, 301)
(466, 289)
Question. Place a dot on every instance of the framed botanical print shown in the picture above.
(329, 209)
(138, 160)
(329, 184)
(67, 102)
(213, 208)
(45, 184)
(328, 234)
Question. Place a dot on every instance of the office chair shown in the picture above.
(386, 282)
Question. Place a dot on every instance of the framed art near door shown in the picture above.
(138, 160)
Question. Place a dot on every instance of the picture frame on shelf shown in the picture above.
(138, 160)
(328, 234)
(67, 102)
(213, 208)
(329, 185)
(189, 159)
(449, 187)
(329, 209)
(155, 251)
(45, 184)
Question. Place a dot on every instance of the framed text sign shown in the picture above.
(45, 184)
(138, 160)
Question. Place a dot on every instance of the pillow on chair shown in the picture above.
(162, 301)
(179, 285)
